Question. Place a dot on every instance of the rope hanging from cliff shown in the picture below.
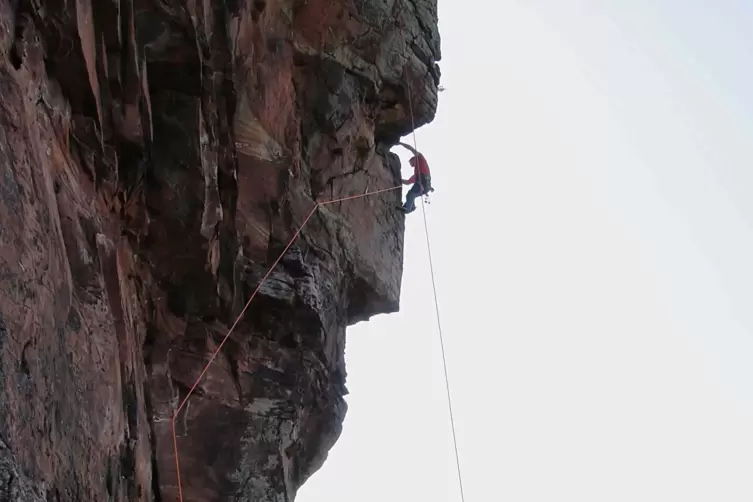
(433, 282)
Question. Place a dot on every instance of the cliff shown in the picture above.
(156, 156)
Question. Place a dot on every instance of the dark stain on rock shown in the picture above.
(74, 320)
(3, 330)
(109, 483)
(275, 45)
(25, 379)
(150, 412)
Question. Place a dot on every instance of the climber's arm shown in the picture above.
(415, 152)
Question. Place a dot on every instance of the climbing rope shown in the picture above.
(433, 282)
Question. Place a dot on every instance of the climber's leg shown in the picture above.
(410, 198)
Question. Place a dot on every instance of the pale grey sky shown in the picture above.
(592, 234)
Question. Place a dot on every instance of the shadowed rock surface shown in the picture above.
(156, 156)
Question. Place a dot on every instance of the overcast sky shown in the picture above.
(592, 239)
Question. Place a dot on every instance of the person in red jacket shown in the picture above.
(421, 179)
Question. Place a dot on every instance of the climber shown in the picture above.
(421, 179)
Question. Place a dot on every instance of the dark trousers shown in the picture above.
(419, 188)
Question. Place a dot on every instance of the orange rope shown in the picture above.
(237, 320)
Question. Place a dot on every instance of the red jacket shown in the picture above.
(421, 167)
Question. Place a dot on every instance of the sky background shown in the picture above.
(592, 236)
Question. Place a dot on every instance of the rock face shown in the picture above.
(156, 156)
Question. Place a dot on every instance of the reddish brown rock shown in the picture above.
(155, 159)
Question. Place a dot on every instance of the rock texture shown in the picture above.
(155, 158)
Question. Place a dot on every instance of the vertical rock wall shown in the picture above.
(156, 156)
